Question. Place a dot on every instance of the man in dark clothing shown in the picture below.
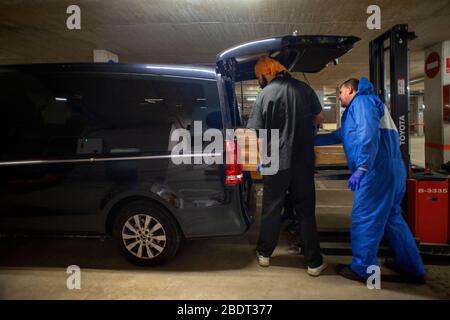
(292, 107)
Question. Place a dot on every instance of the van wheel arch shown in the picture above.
(116, 208)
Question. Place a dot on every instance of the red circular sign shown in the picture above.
(433, 65)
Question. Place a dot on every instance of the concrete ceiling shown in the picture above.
(194, 31)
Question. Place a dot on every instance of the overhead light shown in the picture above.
(327, 108)
(251, 99)
(201, 99)
(418, 80)
(60, 99)
(203, 107)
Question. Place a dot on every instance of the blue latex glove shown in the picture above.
(355, 179)
(259, 167)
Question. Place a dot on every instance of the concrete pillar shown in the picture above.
(437, 90)
(420, 111)
(414, 115)
(339, 111)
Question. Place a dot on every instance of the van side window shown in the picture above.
(56, 115)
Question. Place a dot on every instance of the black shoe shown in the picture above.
(345, 271)
(404, 275)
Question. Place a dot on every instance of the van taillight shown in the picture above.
(233, 170)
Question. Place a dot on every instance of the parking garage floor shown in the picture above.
(223, 268)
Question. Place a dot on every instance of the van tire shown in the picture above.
(146, 233)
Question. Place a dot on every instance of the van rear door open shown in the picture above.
(305, 54)
(309, 54)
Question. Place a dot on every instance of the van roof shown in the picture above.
(157, 69)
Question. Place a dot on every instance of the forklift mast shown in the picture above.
(389, 58)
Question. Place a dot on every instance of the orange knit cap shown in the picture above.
(268, 66)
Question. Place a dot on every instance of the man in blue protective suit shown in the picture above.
(372, 146)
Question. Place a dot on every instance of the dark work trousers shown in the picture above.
(299, 181)
(288, 212)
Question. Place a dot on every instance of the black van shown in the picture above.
(86, 149)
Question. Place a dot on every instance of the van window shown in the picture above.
(72, 115)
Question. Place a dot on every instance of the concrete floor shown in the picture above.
(205, 269)
(222, 268)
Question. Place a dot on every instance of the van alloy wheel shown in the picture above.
(144, 236)
(147, 234)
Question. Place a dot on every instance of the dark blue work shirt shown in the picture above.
(289, 105)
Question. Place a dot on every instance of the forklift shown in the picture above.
(426, 214)
(389, 56)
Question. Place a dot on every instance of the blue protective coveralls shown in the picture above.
(372, 143)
